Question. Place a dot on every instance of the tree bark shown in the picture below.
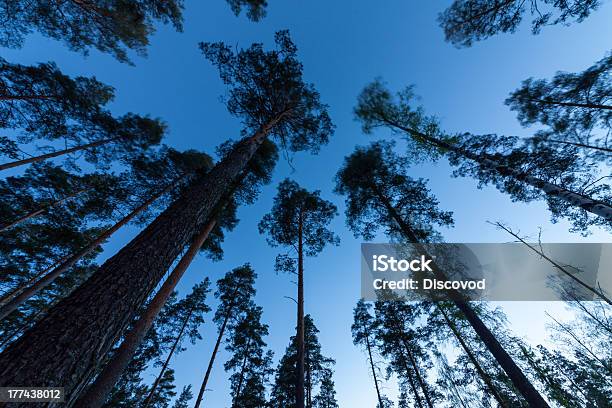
(98, 392)
(42, 210)
(299, 386)
(168, 358)
(47, 279)
(596, 207)
(481, 372)
(51, 155)
(211, 362)
(86, 324)
(514, 372)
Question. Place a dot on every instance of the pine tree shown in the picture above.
(570, 189)
(363, 335)
(292, 113)
(184, 397)
(299, 219)
(379, 194)
(467, 21)
(575, 108)
(113, 27)
(283, 394)
(256, 9)
(249, 360)
(326, 398)
(235, 292)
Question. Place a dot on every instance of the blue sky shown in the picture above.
(343, 45)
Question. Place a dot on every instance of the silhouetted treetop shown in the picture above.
(256, 9)
(110, 26)
(467, 21)
(266, 88)
(295, 206)
(574, 106)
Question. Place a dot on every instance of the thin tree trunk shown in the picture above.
(91, 320)
(596, 207)
(481, 372)
(308, 381)
(369, 347)
(604, 149)
(104, 383)
(243, 369)
(556, 265)
(168, 358)
(417, 397)
(47, 279)
(42, 210)
(51, 155)
(573, 104)
(211, 362)
(413, 362)
(299, 386)
(514, 372)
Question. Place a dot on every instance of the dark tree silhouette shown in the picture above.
(235, 292)
(249, 361)
(256, 9)
(363, 335)
(571, 190)
(379, 194)
(268, 93)
(576, 108)
(184, 397)
(283, 394)
(113, 27)
(326, 398)
(467, 21)
(299, 220)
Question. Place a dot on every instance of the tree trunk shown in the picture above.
(299, 386)
(481, 372)
(514, 372)
(597, 293)
(11, 294)
(47, 279)
(167, 362)
(308, 380)
(573, 104)
(369, 347)
(86, 324)
(243, 369)
(104, 383)
(42, 210)
(417, 397)
(46, 156)
(211, 362)
(596, 207)
(586, 146)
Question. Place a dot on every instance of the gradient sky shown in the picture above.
(343, 45)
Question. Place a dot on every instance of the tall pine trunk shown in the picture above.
(58, 153)
(47, 279)
(514, 372)
(596, 207)
(12, 293)
(98, 392)
(211, 362)
(481, 372)
(86, 324)
(42, 210)
(299, 386)
(413, 387)
(243, 369)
